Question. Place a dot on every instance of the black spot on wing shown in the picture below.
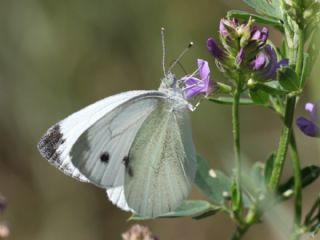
(50, 142)
(104, 157)
(125, 161)
(129, 170)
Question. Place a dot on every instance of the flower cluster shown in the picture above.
(244, 48)
(310, 127)
(138, 232)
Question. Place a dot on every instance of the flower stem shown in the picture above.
(297, 185)
(283, 145)
(288, 119)
(236, 139)
(294, 150)
(239, 233)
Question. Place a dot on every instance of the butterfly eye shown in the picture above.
(105, 157)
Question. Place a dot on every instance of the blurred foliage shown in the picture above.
(58, 56)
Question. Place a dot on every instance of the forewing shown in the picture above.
(162, 163)
(57, 142)
(101, 151)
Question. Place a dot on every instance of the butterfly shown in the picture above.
(137, 145)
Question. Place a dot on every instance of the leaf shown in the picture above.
(229, 100)
(214, 184)
(313, 213)
(268, 168)
(269, 88)
(189, 208)
(258, 96)
(308, 175)
(206, 214)
(258, 19)
(253, 183)
(271, 9)
(288, 79)
(257, 174)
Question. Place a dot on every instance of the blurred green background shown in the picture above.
(58, 56)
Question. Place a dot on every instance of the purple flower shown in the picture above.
(215, 50)
(226, 24)
(310, 127)
(240, 56)
(195, 86)
(223, 30)
(260, 35)
(266, 63)
(259, 61)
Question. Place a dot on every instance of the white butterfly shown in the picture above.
(137, 145)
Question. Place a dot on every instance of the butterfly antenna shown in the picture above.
(181, 66)
(181, 56)
(163, 51)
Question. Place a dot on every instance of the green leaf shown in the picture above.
(214, 184)
(269, 88)
(269, 8)
(253, 183)
(258, 19)
(258, 96)
(308, 175)
(189, 208)
(268, 168)
(313, 213)
(208, 213)
(257, 179)
(229, 100)
(288, 79)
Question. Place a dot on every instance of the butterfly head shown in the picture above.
(169, 81)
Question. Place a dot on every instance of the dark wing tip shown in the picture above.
(50, 142)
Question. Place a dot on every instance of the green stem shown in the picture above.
(294, 152)
(283, 145)
(239, 233)
(300, 53)
(236, 139)
(297, 185)
(288, 119)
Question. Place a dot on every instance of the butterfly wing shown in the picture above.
(100, 152)
(161, 163)
(117, 197)
(68, 135)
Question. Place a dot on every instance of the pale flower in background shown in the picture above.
(4, 230)
(138, 232)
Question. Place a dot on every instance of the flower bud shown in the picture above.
(244, 49)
